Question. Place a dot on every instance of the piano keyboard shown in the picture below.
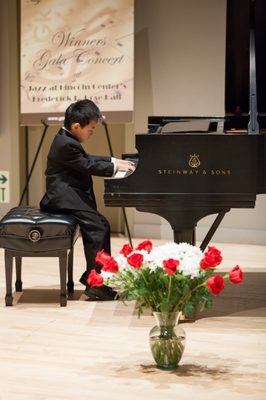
(121, 174)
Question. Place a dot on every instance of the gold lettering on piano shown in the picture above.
(221, 172)
(191, 172)
(194, 161)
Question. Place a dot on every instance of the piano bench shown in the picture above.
(29, 232)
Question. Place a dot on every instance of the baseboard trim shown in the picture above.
(222, 235)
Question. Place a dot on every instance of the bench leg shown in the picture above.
(8, 268)
(18, 284)
(70, 282)
(63, 269)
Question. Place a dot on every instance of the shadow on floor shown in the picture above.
(246, 296)
(43, 296)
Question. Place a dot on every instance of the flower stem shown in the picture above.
(169, 287)
(152, 303)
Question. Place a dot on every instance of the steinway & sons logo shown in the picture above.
(194, 161)
(193, 169)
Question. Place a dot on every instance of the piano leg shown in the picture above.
(184, 221)
(187, 236)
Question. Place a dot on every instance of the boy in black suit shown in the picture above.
(69, 186)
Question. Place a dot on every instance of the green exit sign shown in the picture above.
(4, 187)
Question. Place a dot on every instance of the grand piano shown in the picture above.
(191, 167)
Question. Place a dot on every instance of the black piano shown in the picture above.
(191, 167)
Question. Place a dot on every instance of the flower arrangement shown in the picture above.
(167, 278)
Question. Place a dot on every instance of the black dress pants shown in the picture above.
(95, 231)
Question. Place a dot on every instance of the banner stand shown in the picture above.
(28, 177)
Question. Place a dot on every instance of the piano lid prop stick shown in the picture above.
(253, 125)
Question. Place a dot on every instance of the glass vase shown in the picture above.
(167, 340)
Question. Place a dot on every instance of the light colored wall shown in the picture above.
(9, 127)
(179, 70)
(182, 57)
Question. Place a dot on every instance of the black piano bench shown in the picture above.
(29, 232)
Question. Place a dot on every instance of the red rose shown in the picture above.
(236, 275)
(135, 260)
(170, 266)
(126, 250)
(211, 259)
(102, 257)
(146, 245)
(215, 284)
(94, 279)
(110, 266)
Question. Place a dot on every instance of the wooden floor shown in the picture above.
(99, 350)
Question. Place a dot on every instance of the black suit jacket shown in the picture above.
(69, 175)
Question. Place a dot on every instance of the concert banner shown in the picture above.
(72, 50)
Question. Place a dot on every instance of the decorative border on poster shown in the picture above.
(76, 49)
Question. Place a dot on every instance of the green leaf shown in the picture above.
(165, 306)
(189, 309)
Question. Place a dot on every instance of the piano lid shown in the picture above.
(239, 21)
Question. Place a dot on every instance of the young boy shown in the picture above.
(69, 186)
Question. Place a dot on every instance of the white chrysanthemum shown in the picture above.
(189, 267)
(151, 263)
(143, 252)
(106, 275)
(121, 261)
(189, 257)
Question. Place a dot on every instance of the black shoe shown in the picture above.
(100, 293)
(84, 276)
(83, 280)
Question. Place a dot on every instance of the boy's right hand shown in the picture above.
(124, 165)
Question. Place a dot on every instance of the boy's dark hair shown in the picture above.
(82, 111)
